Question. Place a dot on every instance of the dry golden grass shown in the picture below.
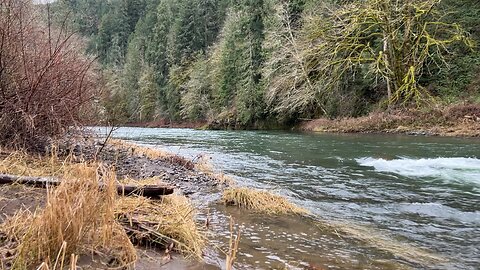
(204, 165)
(166, 221)
(151, 153)
(233, 245)
(454, 120)
(21, 163)
(136, 149)
(261, 201)
(78, 217)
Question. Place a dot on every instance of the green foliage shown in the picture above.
(147, 95)
(197, 96)
(458, 79)
(390, 44)
(238, 61)
(227, 62)
(115, 99)
(292, 86)
(248, 61)
(396, 39)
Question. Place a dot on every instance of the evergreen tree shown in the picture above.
(248, 60)
(147, 95)
(116, 26)
(197, 96)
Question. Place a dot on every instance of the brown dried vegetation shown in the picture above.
(456, 120)
(79, 218)
(45, 81)
(261, 201)
(152, 153)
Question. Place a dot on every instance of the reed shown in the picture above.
(163, 222)
(204, 165)
(78, 217)
(261, 201)
(233, 245)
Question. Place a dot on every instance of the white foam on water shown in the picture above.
(456, 169)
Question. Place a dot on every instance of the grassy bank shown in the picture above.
(455, 121)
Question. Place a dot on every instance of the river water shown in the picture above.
(378, 201)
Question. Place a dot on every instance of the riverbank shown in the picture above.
(455, 121)
(395, 186)
(105, 230)
(293, 165)
(167, 232)
(451, 121)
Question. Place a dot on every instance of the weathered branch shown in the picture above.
(43, 182)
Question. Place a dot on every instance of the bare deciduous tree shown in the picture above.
(391, 42)
(395, 40)
(45, 80)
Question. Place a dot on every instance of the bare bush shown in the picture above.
(45, 80)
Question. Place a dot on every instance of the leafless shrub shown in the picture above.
(45, 80)
(463, 111)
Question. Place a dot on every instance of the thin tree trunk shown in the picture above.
(387, 65)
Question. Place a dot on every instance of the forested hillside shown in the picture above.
(250, 62)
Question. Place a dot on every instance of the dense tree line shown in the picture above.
(247, 62)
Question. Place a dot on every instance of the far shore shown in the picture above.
(454, 121)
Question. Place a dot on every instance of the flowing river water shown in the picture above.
(377, 201)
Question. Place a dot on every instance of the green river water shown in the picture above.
(377, 201)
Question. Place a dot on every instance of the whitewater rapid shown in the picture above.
(453, 169)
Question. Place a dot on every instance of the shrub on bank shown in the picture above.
(45, 80)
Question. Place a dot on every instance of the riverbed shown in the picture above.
(377, 201)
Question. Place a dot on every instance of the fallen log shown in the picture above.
(150, 191)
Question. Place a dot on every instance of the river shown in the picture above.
(378, 201)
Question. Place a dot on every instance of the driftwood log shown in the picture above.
(125, 190)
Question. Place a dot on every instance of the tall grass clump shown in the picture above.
(261, 201)
(78, 217)
(163, 222)
(204, 165)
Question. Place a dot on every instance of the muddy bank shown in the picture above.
(455, 121)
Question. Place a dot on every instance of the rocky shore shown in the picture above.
(132, 164)
(136, 162)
